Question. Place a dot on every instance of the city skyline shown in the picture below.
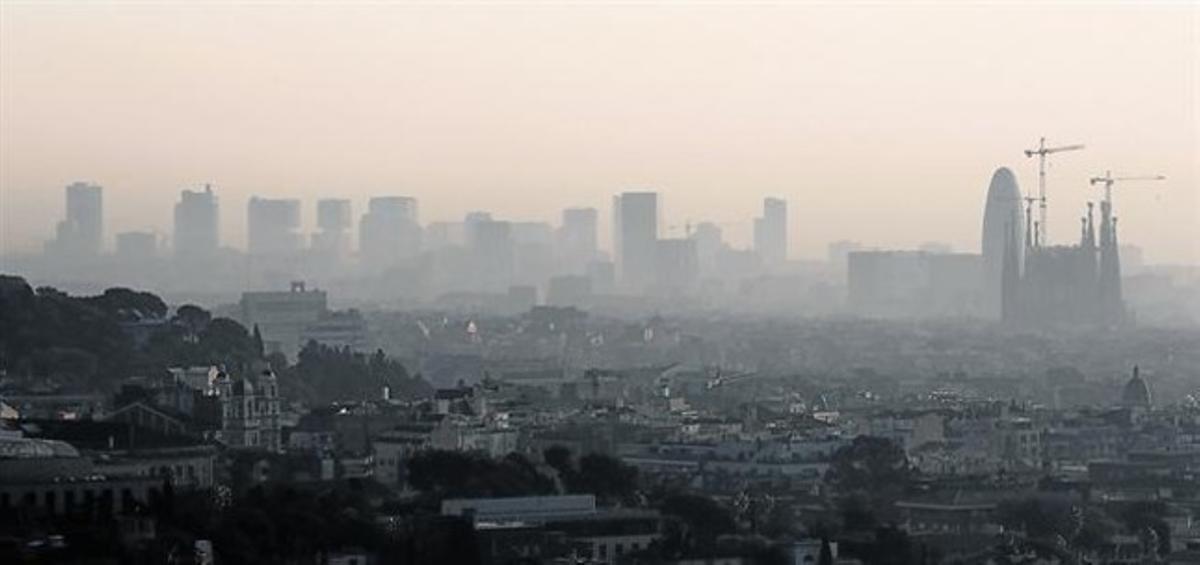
(862, 150)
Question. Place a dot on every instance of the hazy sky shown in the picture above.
(877, 122)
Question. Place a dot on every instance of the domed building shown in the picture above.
(1136, 393)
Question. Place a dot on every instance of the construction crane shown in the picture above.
(1041, 152)
(1108, 181)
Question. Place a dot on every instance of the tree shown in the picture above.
(193, 318)
(454, 473)
(825, 557)
(559, 458)
(609, 478)
(701, 520)
(325, 374)
(226, 341)
(130, 305)
(870, 464)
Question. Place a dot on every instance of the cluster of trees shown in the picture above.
(325, 374)
(611, 480)
(1058, 521)
(93, 342)
(458, 474)
(81, 340)
(449, 474)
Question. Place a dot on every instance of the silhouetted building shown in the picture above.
(196, 224)
(332, 240)
(577, 238)
(635, 233)
(81, 233)
(1136, 393)
(389, 232)
(272, 226)
(1065, 285)
(282, 317)
(770, 232)
(492, 249)
(1002, 213)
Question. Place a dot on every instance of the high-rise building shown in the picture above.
(273, 226)
(577, 238)
(332, 239)
(1001, 219)
(770, 232)
(635, 237)
(493, 248)
(81, 232)
(389, 232)
(196, 224)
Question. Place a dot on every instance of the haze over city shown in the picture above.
(878, 123)
(600, 283)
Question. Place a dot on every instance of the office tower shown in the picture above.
(1001, 219)
(81, 232)
(332, 239)
(770, 232)
(493, 250)
(273, 226)
(389, 232)
(635, 234)
(136, 246)
(196, 224)
(577, 238)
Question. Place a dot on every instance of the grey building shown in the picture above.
(771, 232)
(197, 232)
(81, 232)
(635, 235)
(273, 226)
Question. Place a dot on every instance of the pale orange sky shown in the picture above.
(877, 122)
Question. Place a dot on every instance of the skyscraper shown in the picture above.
(635, 235)
(389, 231)
(493, 251)
(577, 238)
(1001, 220)
(81, 232)
(196, 224)
(332, 240)
(273, 226)
(770, 232)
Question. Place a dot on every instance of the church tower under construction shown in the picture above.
(1064, 284)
